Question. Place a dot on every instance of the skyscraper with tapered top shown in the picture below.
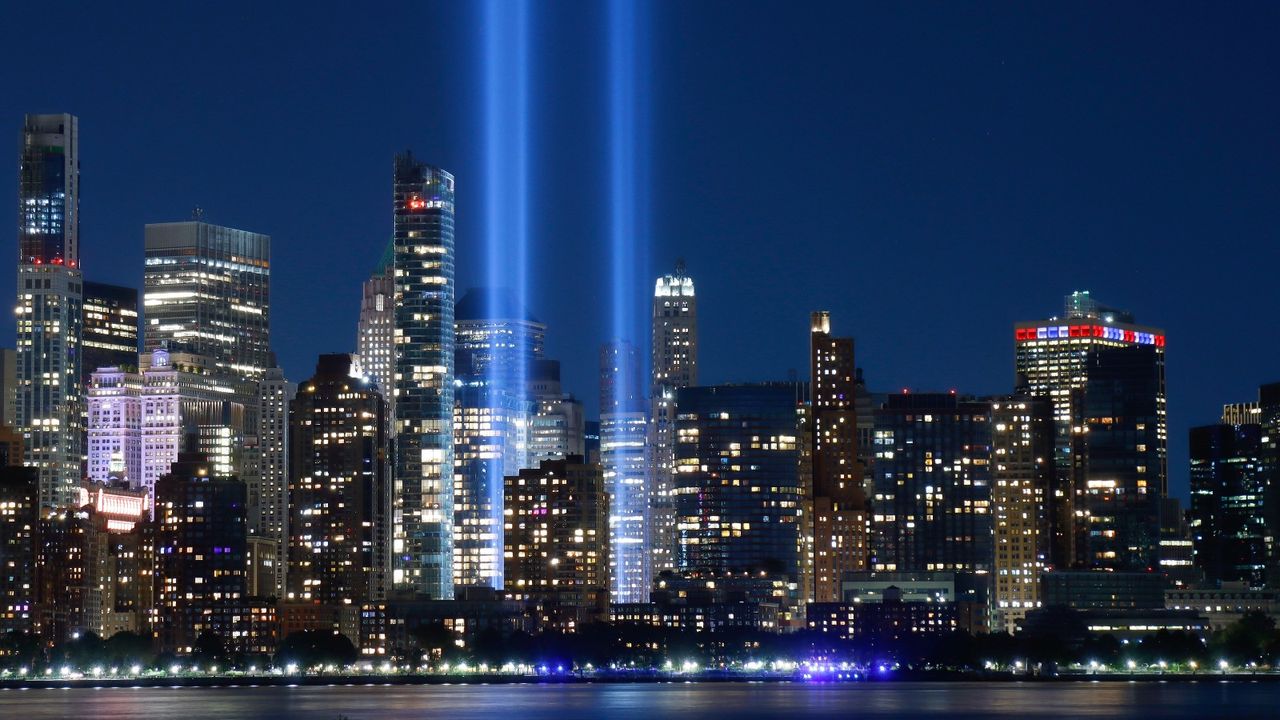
(422, 258)
(50, 395)
(673, 365)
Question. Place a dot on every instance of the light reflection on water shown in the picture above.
(704, 701)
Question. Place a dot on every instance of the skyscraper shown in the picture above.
(1121, 457)
(557, 538)
(737, 488)
(267, 473)
(932, 499)
(558, 427)
(839, 506)
(1230, 498)
(1050, 357)
(207, 291)
(339, 496)
(422, 207)
(110, 327)
(50, 394)
(623, 429)
(1022, 435)
(375, 336)
(674, 364)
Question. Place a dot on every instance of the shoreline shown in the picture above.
(898, 676)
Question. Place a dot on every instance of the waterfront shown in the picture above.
(693, 701)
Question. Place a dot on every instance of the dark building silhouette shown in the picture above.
(1230, 493)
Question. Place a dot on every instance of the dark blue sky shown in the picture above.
(930, 172)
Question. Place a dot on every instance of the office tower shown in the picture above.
(50, 394)
(839, 506)
(19, 527)
(1050, 356)
(556, 539)
(737, 487)
(497, 342)
(422, 204)
(1022, 435)
(491, 439)
(932, 504)
(1230, 492)
(339, 493)
(267, 473)
(375, 335)
(558, 427)
(623, 429)
(115, 427)
(496, 338)
(1120, 455)
(673, 365)
(138, 422)
(207, 291)
(200, 549)
(1176, 556)
(110, 334)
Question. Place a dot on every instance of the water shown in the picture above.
(740, 701)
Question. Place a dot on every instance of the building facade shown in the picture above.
(50, 390)
(375, 335)
(838, 505)
(738, 491)
(1230, 493)
(110, 335)
(339, 490)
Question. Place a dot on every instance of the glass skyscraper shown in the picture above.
(207, 291)
(422, 208)
(50, 393)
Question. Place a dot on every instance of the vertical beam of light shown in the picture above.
(505, 25)
(623, 423)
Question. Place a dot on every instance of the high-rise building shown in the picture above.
(1230, 494)
(1120, 456)
(673, 365)
(19, 528)
(266, 473)
(497, 344)
(375, 336)
(737, 484)
(422, 204)
(1051, 358)
(839, 506)
(50, 393)
(557, 539)
(339, 492)
(110, 335)
(932, 503)
(139, 422)
(201, 557)
(558, 428)
(1022, 434)
(623, 431)
(115, 427)
(207, 291)
(119, 561)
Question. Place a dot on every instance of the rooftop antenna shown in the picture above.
(679, 267)
(197, 213)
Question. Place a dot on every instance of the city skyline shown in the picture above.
(939, 194)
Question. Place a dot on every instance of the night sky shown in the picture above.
(930, 173)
